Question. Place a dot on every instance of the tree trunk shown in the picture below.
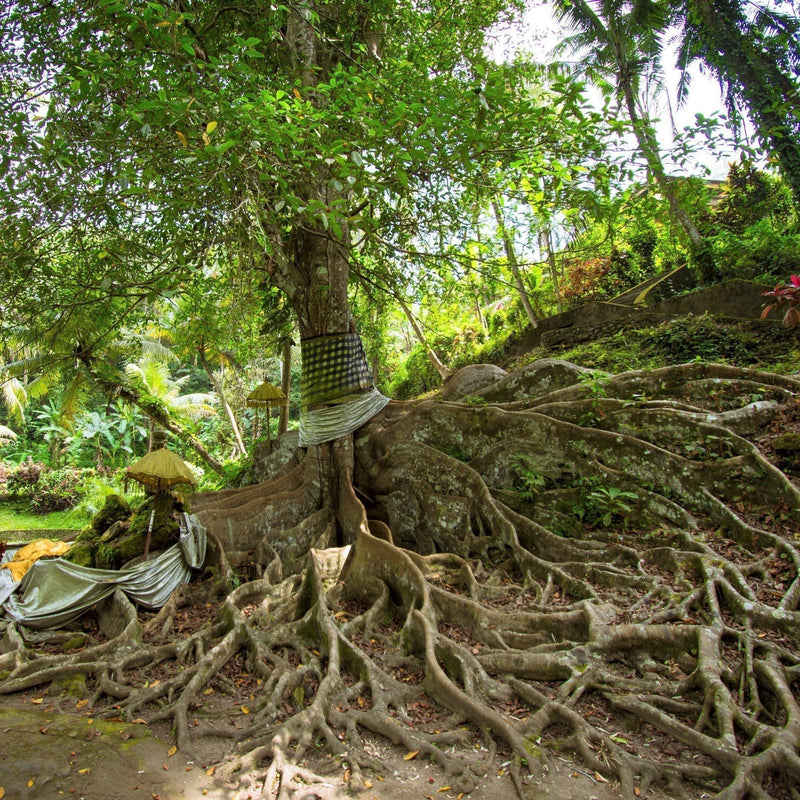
(314, 276)
(312, 268)
(547, 246)
(513, 264)
(286, 386)
(237, 434)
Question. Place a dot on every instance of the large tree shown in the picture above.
(147, 139)
(536, 558)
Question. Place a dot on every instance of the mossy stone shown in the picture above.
(74, 643)
(72, 685)
(82, 553)
(786, 443)
(115, 508)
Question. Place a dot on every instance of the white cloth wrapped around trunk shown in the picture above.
(337, 394)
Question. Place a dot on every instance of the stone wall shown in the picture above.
(734, 299)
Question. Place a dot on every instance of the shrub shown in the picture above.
(44, 489)
(600, 278)
(760, 253)
(785, 297)
(416, 376)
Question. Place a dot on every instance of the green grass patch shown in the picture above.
(743, 343)
(15, 517)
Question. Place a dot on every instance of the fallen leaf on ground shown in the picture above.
(84, 771)
(409, 756)
(172, 750)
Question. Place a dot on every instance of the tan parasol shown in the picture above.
(266, 396)
(159, 471)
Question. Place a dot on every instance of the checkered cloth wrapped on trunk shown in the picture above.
(334, 368)
(337, 395)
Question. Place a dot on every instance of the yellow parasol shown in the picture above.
(266, 396)
(159, 471)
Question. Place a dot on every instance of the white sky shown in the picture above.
(538, 33)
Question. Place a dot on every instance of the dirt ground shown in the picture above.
(54, 748)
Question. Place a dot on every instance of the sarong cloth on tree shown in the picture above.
(337, 394)
(55, 592)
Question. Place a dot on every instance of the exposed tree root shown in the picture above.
(603, 565)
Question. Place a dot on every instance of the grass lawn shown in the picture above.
(14, 517)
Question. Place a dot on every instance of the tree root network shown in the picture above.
(551, 561)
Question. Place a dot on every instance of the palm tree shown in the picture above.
(621, 43)
(754, 51)
(152, 374)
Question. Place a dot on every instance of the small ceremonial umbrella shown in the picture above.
(159, 471)
(266, 396)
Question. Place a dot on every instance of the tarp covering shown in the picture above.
(335, 376)
(55, 592)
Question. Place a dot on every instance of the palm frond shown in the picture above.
(6, 435)
(41, 385)
(73, 397)
(14, 397)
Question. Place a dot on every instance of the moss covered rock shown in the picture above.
(116, 508)
(82, 552)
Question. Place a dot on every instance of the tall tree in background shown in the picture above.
(754, 50)
(620, 44)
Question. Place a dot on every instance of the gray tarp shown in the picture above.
(54, 591)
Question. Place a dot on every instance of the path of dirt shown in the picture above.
(54, 748)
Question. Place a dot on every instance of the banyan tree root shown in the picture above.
(603, 566)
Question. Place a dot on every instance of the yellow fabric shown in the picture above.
(25, 556)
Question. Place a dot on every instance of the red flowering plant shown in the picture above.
(785, 295)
